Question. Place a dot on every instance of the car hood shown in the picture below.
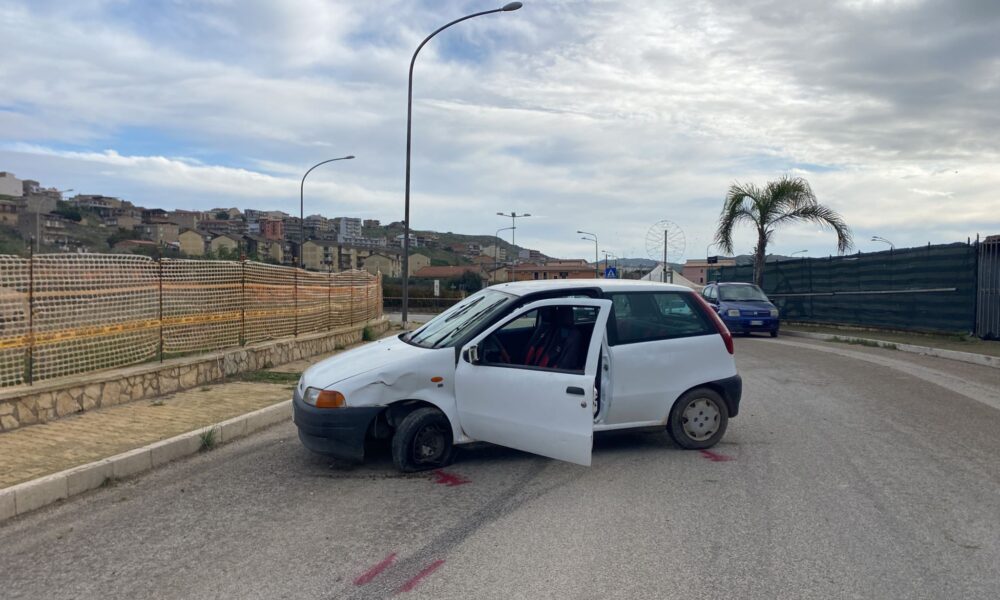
(369, 357)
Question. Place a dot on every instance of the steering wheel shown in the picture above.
(494, 343)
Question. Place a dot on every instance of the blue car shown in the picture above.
(744, 307)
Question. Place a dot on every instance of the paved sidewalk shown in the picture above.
(38, 450)
(958, 343)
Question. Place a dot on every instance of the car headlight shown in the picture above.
(733, 312)
(774, 312)
(323, 398)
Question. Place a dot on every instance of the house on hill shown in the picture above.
(225, 242)
(559, 269)
(387, 264)
(447, 272)
(418, 261)
(192, 242)
(263, 248)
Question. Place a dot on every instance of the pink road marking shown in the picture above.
(415, 581)
(714, 457)
(373, 572)
(449, 479)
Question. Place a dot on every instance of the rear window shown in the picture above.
(644, 317)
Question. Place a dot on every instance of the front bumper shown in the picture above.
(749, 324)
(338, 432)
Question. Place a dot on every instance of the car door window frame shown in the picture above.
(516, 314)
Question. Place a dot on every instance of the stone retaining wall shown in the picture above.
(28, 405)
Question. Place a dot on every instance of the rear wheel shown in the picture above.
(422, 441)
(698, 419)
(774, 333)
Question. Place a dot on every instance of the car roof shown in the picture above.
(523, 288)
(733, 283)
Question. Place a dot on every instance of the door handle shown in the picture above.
(576, 391)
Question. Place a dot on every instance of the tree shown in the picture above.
(470, 281)
(119, 236)
(222, 216)
(67, 210)
(781, 202)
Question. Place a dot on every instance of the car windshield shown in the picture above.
(448, 327)
(741, 293)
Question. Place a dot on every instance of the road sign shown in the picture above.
(611, 273)
(437, 288)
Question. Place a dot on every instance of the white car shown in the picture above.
(536, 365)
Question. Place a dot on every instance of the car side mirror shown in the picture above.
(471, 355)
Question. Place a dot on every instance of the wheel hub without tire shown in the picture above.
(429, 444)
(701, 419)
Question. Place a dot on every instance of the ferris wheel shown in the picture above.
(665, 242)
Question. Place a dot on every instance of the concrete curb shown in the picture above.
(30, 495)
(983, 360)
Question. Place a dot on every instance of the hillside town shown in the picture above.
(46, 219)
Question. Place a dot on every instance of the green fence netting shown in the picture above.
(929, 288)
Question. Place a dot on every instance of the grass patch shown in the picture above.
(864, 342)
(109, 482)
(208, 440)
(269, 377)
(368, 334)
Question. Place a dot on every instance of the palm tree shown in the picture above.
(780, 202)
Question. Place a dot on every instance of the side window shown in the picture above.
(584, 315)
(657, 316)
(552, 337)
(620, 305)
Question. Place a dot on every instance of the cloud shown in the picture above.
(601, 115)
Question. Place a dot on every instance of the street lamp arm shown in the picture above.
(319, 164)
(409, 134)
(302, 203)
(439, 30)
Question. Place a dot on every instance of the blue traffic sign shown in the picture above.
(611, 273)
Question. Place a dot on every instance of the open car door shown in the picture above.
(513, 400)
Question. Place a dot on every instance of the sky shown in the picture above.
(602, 116)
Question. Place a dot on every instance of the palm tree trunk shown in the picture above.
(758, 260)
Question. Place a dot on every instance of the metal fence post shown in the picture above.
(30, 362)
(159, 262)
(295, 295)
(329, 295)
(243, 301)
(975, 285)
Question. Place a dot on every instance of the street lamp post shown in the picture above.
(302, 203)
(878, 238)
(606, 255)
(596, 262)
(513, 222)
(409, 121)
(496, 252)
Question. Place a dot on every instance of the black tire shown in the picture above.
(422, 441)
(713, 427)
(774, 334)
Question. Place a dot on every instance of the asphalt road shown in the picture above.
(851, 473)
